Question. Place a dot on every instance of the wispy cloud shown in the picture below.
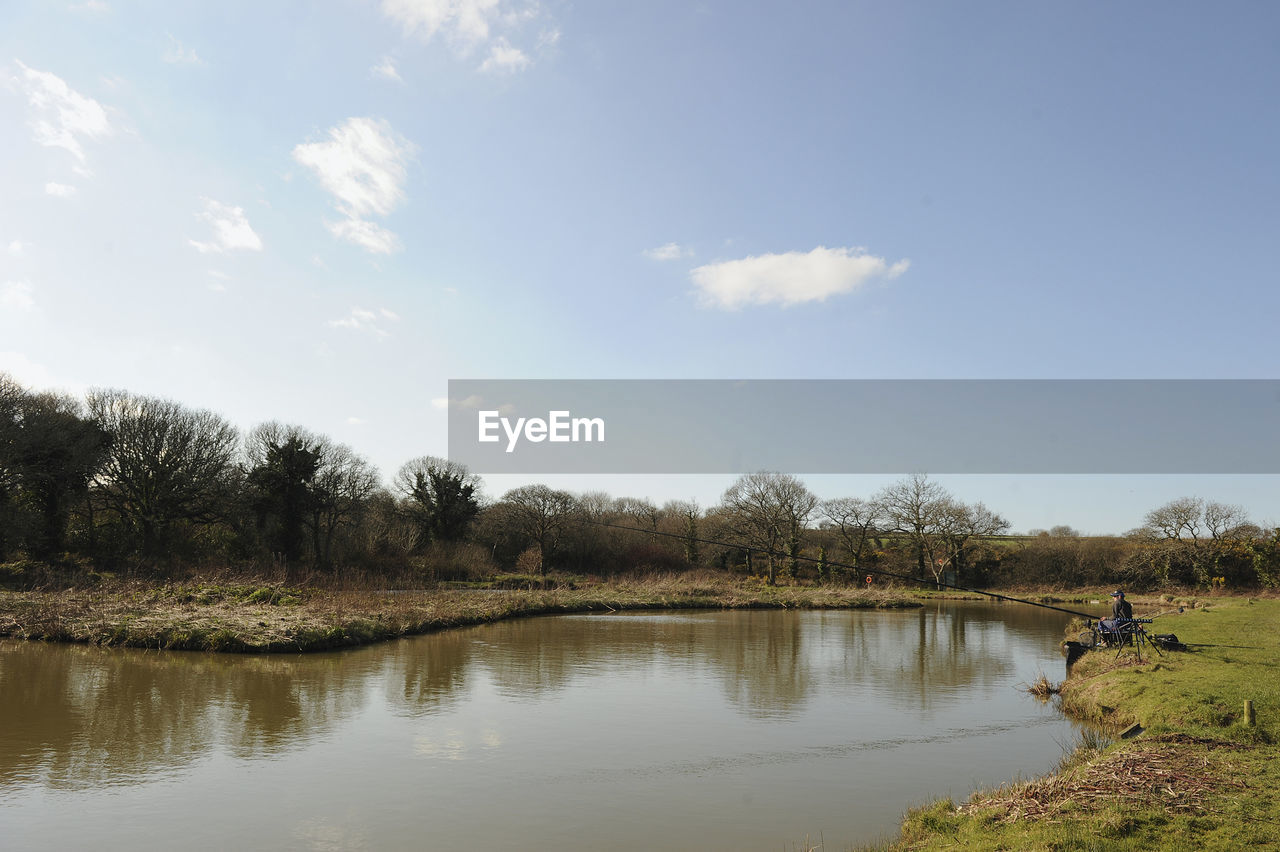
(17, 249)
(17, 296)
(470, 25)
(59, 190)
(231, 230)
(791, 278)
(178, 53)
(363, 319)
(670, 251)
(458, 20)
(363, 165)
(370, 236)
(504, 59)
(62, 117)
(386, 69)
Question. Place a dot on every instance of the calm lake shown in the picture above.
(687, 730)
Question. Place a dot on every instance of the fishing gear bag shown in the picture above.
(1168, 642)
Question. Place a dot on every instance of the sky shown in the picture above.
(319, 213)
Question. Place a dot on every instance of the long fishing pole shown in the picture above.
(855, 568)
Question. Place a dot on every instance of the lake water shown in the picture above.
(686, 730)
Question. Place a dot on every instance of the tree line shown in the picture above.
(122, 481)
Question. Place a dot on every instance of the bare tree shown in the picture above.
(166, 463)
(914, 507)
(640, 512)
(344, 481)
(687, 515)
(855, 520)
(1223, 521)
(1176, 519)
(1195, 534)
(540, 514)
(767, 512)
(963, 526)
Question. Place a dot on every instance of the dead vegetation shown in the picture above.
(1043, 688)
(1162, 772)
(277, 618)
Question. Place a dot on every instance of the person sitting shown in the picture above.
(1121, 611)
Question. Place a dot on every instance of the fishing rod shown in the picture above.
(855, 568)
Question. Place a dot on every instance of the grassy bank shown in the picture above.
(1196, 777)
(248, 618)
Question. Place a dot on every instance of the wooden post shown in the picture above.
(1250, 717)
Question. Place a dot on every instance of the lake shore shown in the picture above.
(248, 618)
(1195, 778)
(1192, 775)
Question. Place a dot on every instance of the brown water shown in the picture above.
(704, 730)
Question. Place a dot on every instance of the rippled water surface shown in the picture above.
(690, 730)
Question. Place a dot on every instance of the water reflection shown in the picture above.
(79, 717)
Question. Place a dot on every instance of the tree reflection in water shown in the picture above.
(77, 717)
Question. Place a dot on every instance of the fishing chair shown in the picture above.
(1121, 633)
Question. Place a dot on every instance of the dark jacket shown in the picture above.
(1121, 608)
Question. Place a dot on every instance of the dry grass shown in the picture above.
(1160, 772)
(1043, 688)
(276, 618)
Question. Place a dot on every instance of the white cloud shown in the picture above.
(357, 421)
(386, 69)
(16, 248)
(62, 117)
(178, 53)
(362, 164)
(370, 236)
(16, 296)
(504, 59)
(670, 251)
(458, 20)
(59, 190)
(363, 319)
(789, 279)
(231, 229)
(474, 24)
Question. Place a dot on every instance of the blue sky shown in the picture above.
(320, 213)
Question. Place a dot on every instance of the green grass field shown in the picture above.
(1196, 777)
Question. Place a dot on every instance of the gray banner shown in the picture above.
(865, 426)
